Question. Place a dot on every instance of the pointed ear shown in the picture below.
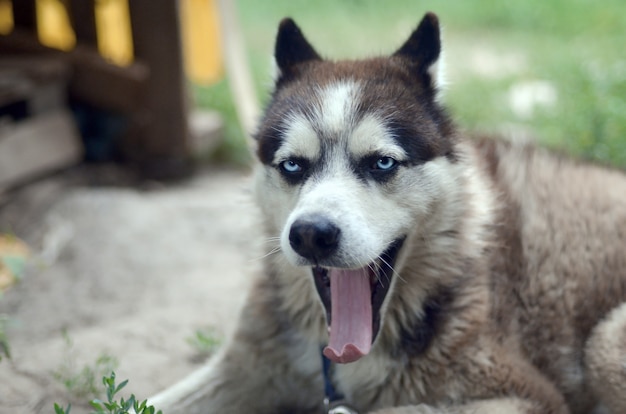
(291, 47)
(423, 47)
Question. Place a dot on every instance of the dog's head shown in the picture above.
(353, 157)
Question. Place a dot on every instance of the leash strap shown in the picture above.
(334, 402)
(330, 392)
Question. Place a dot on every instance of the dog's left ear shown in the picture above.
(423, 49)
(291, 48)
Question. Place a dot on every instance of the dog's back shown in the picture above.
(560, 261)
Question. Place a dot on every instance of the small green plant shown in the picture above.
(112, 405)
(60, 410)
(83, 383)
(205, 341)
(4, 341)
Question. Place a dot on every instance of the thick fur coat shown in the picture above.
(496, 270)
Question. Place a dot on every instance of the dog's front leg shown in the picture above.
(268, 367)
(517, 387)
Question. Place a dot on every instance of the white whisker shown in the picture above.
(272, 240)
(271, 252)
(275, 249)
(393, 271)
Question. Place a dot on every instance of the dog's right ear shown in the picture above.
(291, 48)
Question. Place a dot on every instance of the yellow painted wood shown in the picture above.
(114, 33)
(6, 17)
(53, 25)
(200, 20)
(201, 41)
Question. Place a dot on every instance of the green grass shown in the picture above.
(5, 349)
(577, 46)
(217, 97)
(82, 383)
(205, 341)
(114, 404)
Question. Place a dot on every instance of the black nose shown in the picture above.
(314, 238)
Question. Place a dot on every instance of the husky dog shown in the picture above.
(419, 271)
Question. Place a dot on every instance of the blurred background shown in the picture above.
(555, 70)
(127, 235)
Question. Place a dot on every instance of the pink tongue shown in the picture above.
(351, 315)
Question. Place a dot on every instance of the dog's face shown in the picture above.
(354, 160)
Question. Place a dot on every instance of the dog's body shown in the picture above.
(454, 275)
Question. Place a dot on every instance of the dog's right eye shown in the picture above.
(293, 170)
(291, 167)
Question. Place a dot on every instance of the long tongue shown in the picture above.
(351, 315)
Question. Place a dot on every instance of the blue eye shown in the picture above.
(385, 164)
(291, 166)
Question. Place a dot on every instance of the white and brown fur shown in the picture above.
(507, 295)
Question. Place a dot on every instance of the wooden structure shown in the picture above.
(150, 92)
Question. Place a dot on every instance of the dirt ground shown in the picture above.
(131, 272)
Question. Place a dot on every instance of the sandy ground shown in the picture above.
(127, 272)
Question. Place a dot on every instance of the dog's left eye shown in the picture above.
(291, 166)
(384, 164)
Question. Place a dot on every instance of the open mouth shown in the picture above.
(353, 299)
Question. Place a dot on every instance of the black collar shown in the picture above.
(334, 401)
(330, 393)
